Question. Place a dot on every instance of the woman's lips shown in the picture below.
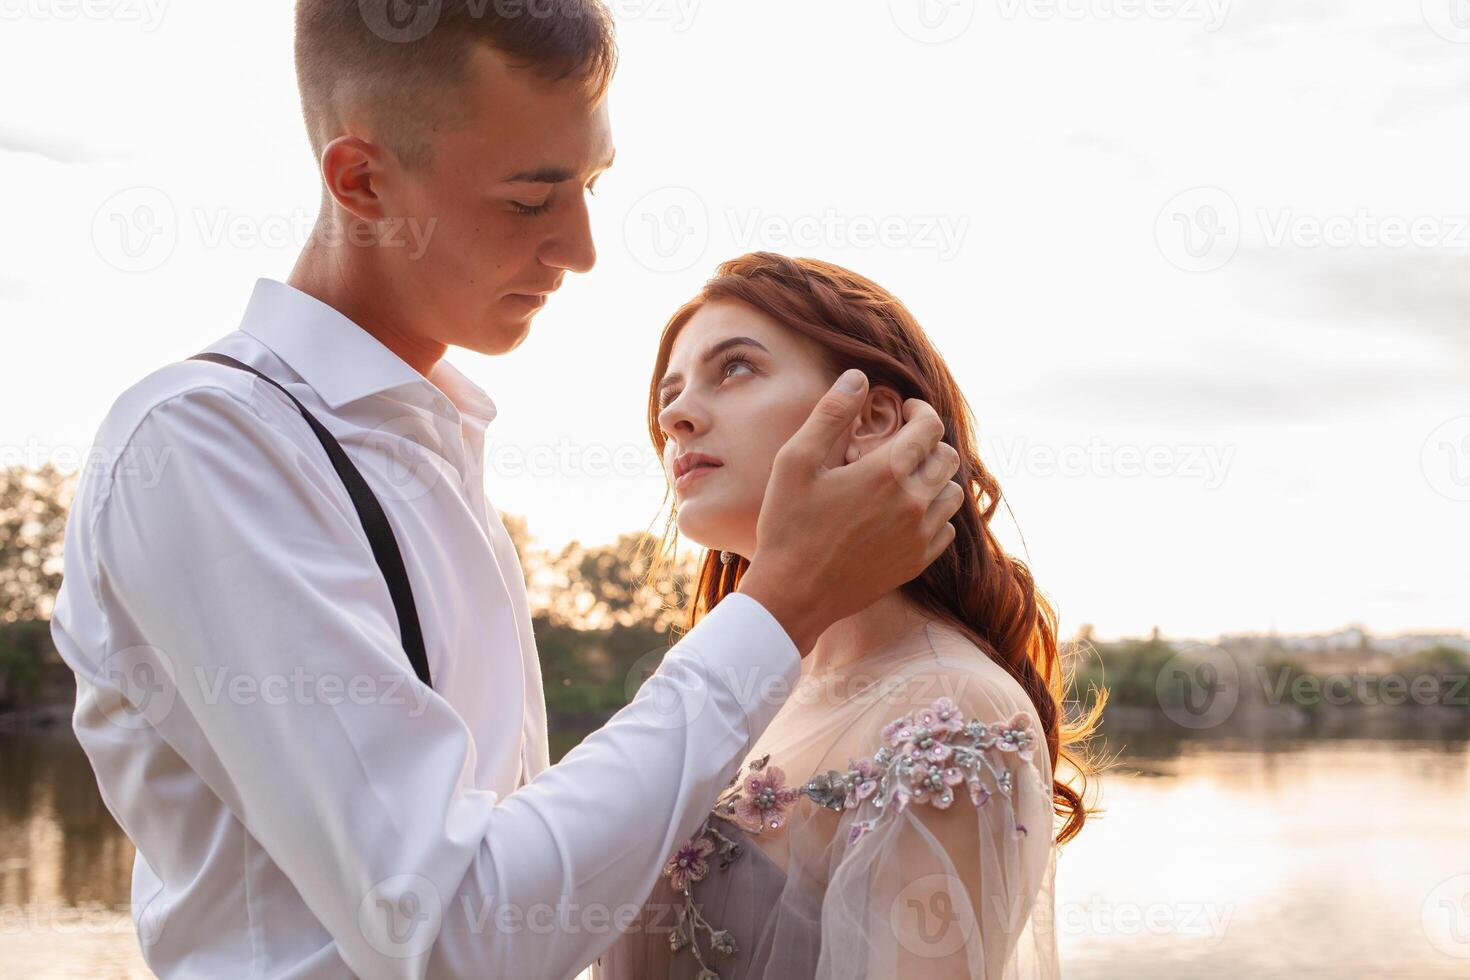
(694, 474)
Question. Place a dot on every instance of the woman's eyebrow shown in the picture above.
(715, 351)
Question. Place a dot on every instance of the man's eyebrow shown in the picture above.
(554, 175)
(715, 351)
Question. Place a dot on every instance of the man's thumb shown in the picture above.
(831, 416)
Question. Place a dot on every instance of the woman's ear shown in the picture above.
(879, 420)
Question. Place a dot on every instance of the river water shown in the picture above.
(1278, 858)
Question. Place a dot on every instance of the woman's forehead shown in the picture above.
(722, 318)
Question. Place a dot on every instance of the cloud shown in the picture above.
(1252, 389)
(19, 289)
(1423, 293)
(53, 146)
(1138, 165)
(1375, 328)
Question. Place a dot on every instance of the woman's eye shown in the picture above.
(733, 362)
(667, 399)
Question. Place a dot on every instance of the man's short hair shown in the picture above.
(398, 61)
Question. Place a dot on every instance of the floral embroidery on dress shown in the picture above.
(927, 753)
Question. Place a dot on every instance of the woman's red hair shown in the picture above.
(974, 585)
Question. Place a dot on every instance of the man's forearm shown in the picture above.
(568, 860)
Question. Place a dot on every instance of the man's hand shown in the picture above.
(832, 539)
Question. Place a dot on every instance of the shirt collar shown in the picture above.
(340, 360)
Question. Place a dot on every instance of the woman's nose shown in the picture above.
(680, 417)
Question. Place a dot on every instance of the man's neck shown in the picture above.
(337, 277)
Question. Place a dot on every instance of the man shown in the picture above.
(301, 804)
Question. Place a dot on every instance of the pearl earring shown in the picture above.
(726, 557)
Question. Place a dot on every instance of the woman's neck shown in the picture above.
(891, 621)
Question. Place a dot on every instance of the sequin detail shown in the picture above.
(925, 756)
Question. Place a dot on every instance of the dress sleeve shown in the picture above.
(943, 859)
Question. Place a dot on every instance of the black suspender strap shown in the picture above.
(374, 522)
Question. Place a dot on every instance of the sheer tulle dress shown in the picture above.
(895, 820)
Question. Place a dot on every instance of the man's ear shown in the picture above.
(352, 168)
(880, 419)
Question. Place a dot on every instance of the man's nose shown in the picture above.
(572, 248)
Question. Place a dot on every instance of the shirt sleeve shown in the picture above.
(240, 564)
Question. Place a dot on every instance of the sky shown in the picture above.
(1199, 266)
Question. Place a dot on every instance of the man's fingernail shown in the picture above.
(851, 381)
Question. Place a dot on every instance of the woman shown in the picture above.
(896, 819)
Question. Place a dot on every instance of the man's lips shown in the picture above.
(530, 299)
(536, 296)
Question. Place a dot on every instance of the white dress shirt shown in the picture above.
(301, 805)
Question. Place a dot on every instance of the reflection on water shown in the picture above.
(65, 868)
(1277, 858)
(1289, 858)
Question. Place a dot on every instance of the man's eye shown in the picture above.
(532, 209)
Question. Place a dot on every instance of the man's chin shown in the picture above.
(502, 336)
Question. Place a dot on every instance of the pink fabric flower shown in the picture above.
(979, 795)
(933, 785)
(765, 800)
(942, 718)
(689, 864)
(866, 784)
(1017, 736)
(898, 731)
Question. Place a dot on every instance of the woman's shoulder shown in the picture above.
(948, 666)
(952, 691)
